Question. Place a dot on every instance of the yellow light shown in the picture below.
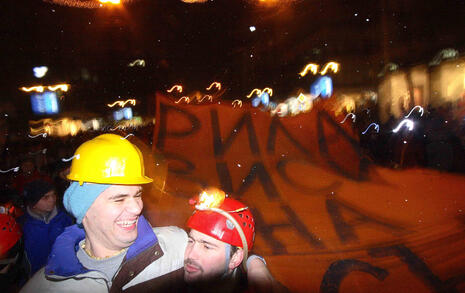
(260, 92)
(237, 103)
(175, 87)
(302, 98)
(334, 66)
(185, 98)
(110, 1)
(194, 1)
(122, 103)
(137, 62)
(38, 89)
(211, 198)
(62, 87)
(313, 68)
(214, 84)
(268, 90)
(208, 97)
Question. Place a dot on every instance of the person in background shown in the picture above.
(27, 173)
(42, 222)
(13, 270)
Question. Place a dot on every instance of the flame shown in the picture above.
(211, 198)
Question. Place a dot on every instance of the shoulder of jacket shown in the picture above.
(36, 283)
(171, 235)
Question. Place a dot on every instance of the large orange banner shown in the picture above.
(327, 221)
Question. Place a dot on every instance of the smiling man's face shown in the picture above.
(111, 221)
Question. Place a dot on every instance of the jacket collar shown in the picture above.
(40, 217)
(64, 262)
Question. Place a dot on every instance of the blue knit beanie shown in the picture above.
(79, 198)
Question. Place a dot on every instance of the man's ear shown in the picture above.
(236, 259)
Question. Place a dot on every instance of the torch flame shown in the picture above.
(211, 198)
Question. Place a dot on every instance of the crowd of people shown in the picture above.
(436, 141)
(98, 240)
(73, 219)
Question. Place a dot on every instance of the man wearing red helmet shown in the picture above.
(222, 232)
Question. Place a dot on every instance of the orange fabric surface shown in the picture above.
(326, 220)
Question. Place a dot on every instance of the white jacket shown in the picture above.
(147, 258)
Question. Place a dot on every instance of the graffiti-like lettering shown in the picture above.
(338, 270)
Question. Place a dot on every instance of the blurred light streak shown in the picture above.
(259, 92)
(407, 122)
(194, 1)
(110, 1)
(263, 98)
(40, 88)
(268, 90)
(322, 86)
(126, 137)
(63, 87)
(185, 98)
(75, 156)
(44, 151)
(208, 97)
(350, 114)
(175, 87)
(15, 169)
(237, 103)
(122, 103)
(90, 4)
(214, 84)
(372, 124)
(137, 62)
(420, 109)
(40, 134)
(313, 68)
(334, 66)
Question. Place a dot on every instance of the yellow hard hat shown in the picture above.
(108, 159)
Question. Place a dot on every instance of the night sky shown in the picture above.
(194, 44)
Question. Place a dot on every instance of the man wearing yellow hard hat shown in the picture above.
(112, 247)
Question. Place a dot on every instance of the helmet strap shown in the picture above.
(228, 258)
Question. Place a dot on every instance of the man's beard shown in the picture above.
(203, 279)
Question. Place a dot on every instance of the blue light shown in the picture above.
(322, 86)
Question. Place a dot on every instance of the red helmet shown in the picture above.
(10, 233)
(219, 227)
